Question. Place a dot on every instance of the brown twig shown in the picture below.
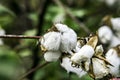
(20, 37)
(68, 12)
(32, 70)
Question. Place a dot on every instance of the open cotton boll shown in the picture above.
(105, 34)
(114, 59)
(85, 53)
(52, 56)
(68, 38)
(116, 24)
(99, 68)
(66, 64)
(51, 41)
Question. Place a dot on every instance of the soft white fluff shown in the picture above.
(84, 55)
(68, 38)
(66, 64)
(113, 58)
(116, 25)
(51, 41)
(105, 34)
(114, 41)
(99, 68)
(51, 56)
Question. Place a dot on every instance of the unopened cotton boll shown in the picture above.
(66, 64)
(51, 41)
(68, 38)
(51, 56)
(114, 59)
(105, 34)
(99, 68)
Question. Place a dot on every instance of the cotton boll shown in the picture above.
(86, 52)
(68, 38)
(114, 41)
(99, 68)
(51, 41)
(68, 42)
(66, 64)
(52, 56)
(116, 24)
(114, 59)
(105, 34)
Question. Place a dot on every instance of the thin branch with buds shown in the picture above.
(20, 36)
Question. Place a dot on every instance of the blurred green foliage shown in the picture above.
(21, 17)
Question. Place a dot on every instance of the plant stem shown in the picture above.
(20, 36)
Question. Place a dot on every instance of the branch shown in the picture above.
(68, 12)
(20, 37)
(32, 70)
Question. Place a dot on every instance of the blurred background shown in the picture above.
(34, 17)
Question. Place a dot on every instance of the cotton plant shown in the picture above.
(82, 58)
(58, 40)
(106, 36)
(113, 56)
